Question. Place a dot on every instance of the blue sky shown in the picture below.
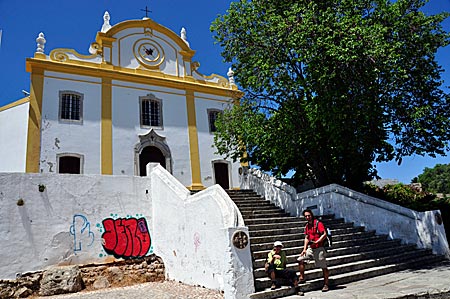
(74, 24)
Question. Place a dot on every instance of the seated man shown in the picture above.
(276, 266)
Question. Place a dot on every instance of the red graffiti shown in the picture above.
(126, 237)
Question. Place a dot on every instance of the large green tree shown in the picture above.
(333, 86)
(436, 179)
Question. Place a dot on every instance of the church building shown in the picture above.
(136, 98)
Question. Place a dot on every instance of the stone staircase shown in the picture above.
(356, 254)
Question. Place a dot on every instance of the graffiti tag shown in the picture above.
(126, 237)
(81, 230)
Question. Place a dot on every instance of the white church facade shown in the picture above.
(137, 98)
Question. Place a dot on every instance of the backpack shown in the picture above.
(328, 242)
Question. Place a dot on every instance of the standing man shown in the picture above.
(315, 234)
(276, 266)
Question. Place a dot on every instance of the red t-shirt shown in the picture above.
(314, 234)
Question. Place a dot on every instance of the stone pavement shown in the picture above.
(420, 283)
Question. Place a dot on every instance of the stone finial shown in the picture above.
(106, 24)
(40, 40)
(184, 36)
(230, 75)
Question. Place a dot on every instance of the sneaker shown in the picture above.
(325, 288)
(273, 287)
(300, 293)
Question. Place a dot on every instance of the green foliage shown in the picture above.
(436, 179)
(332, 86)
(404, 195)
(410, 197)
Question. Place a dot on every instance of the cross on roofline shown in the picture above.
(146, 11)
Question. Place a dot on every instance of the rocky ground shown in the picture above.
(153, 290)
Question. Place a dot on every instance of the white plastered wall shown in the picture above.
(59, 137)
(203, 102)
(126, 127)
(13, 138)
(63, 224)
(123, 53)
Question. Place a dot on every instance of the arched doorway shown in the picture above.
(150, 154)
(151, 148)
(221, 174)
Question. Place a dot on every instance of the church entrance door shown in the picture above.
(150, 154)
(221, 174)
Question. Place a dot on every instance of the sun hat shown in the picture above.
(277, 243)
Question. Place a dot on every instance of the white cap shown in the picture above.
(277, 243)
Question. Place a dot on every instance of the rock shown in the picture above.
(101, 283)
(61, 280)
(23, 292)
(116, 274)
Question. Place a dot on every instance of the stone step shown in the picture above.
(300, 231)
(263, 213)
(266, 215)
(332, 224)
(346, 278)
(242, 192)
(262, 208)
(376, 243)
(255, 204)
(258, 265)
(342, 244)
(255, 199)
(263, 282)
(293, 237)
(325, 218)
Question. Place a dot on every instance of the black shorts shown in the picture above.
(291, 275)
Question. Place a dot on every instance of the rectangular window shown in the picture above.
(151, 112)
(212, 117)
(71, 106)
(69, 164)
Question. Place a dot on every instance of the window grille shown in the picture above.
(70, 106)
(151, 113)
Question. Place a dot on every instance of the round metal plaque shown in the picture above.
(240, 239)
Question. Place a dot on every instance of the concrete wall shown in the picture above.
(13, 138)
(421, 228)
(49, 219)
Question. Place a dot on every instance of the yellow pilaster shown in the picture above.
(34, 120)
(106, 143)
(193, 142)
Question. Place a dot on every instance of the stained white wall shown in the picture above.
(63, 224)
(412, 227)
(63, 137)
(13, 138)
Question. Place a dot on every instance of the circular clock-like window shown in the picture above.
(148, 52)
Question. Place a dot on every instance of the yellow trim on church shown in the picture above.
(15, 104)
(34, 121)
(106, 127)
(140, 76)
(194, 151)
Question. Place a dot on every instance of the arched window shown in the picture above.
(151, 111)
(70, 106)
